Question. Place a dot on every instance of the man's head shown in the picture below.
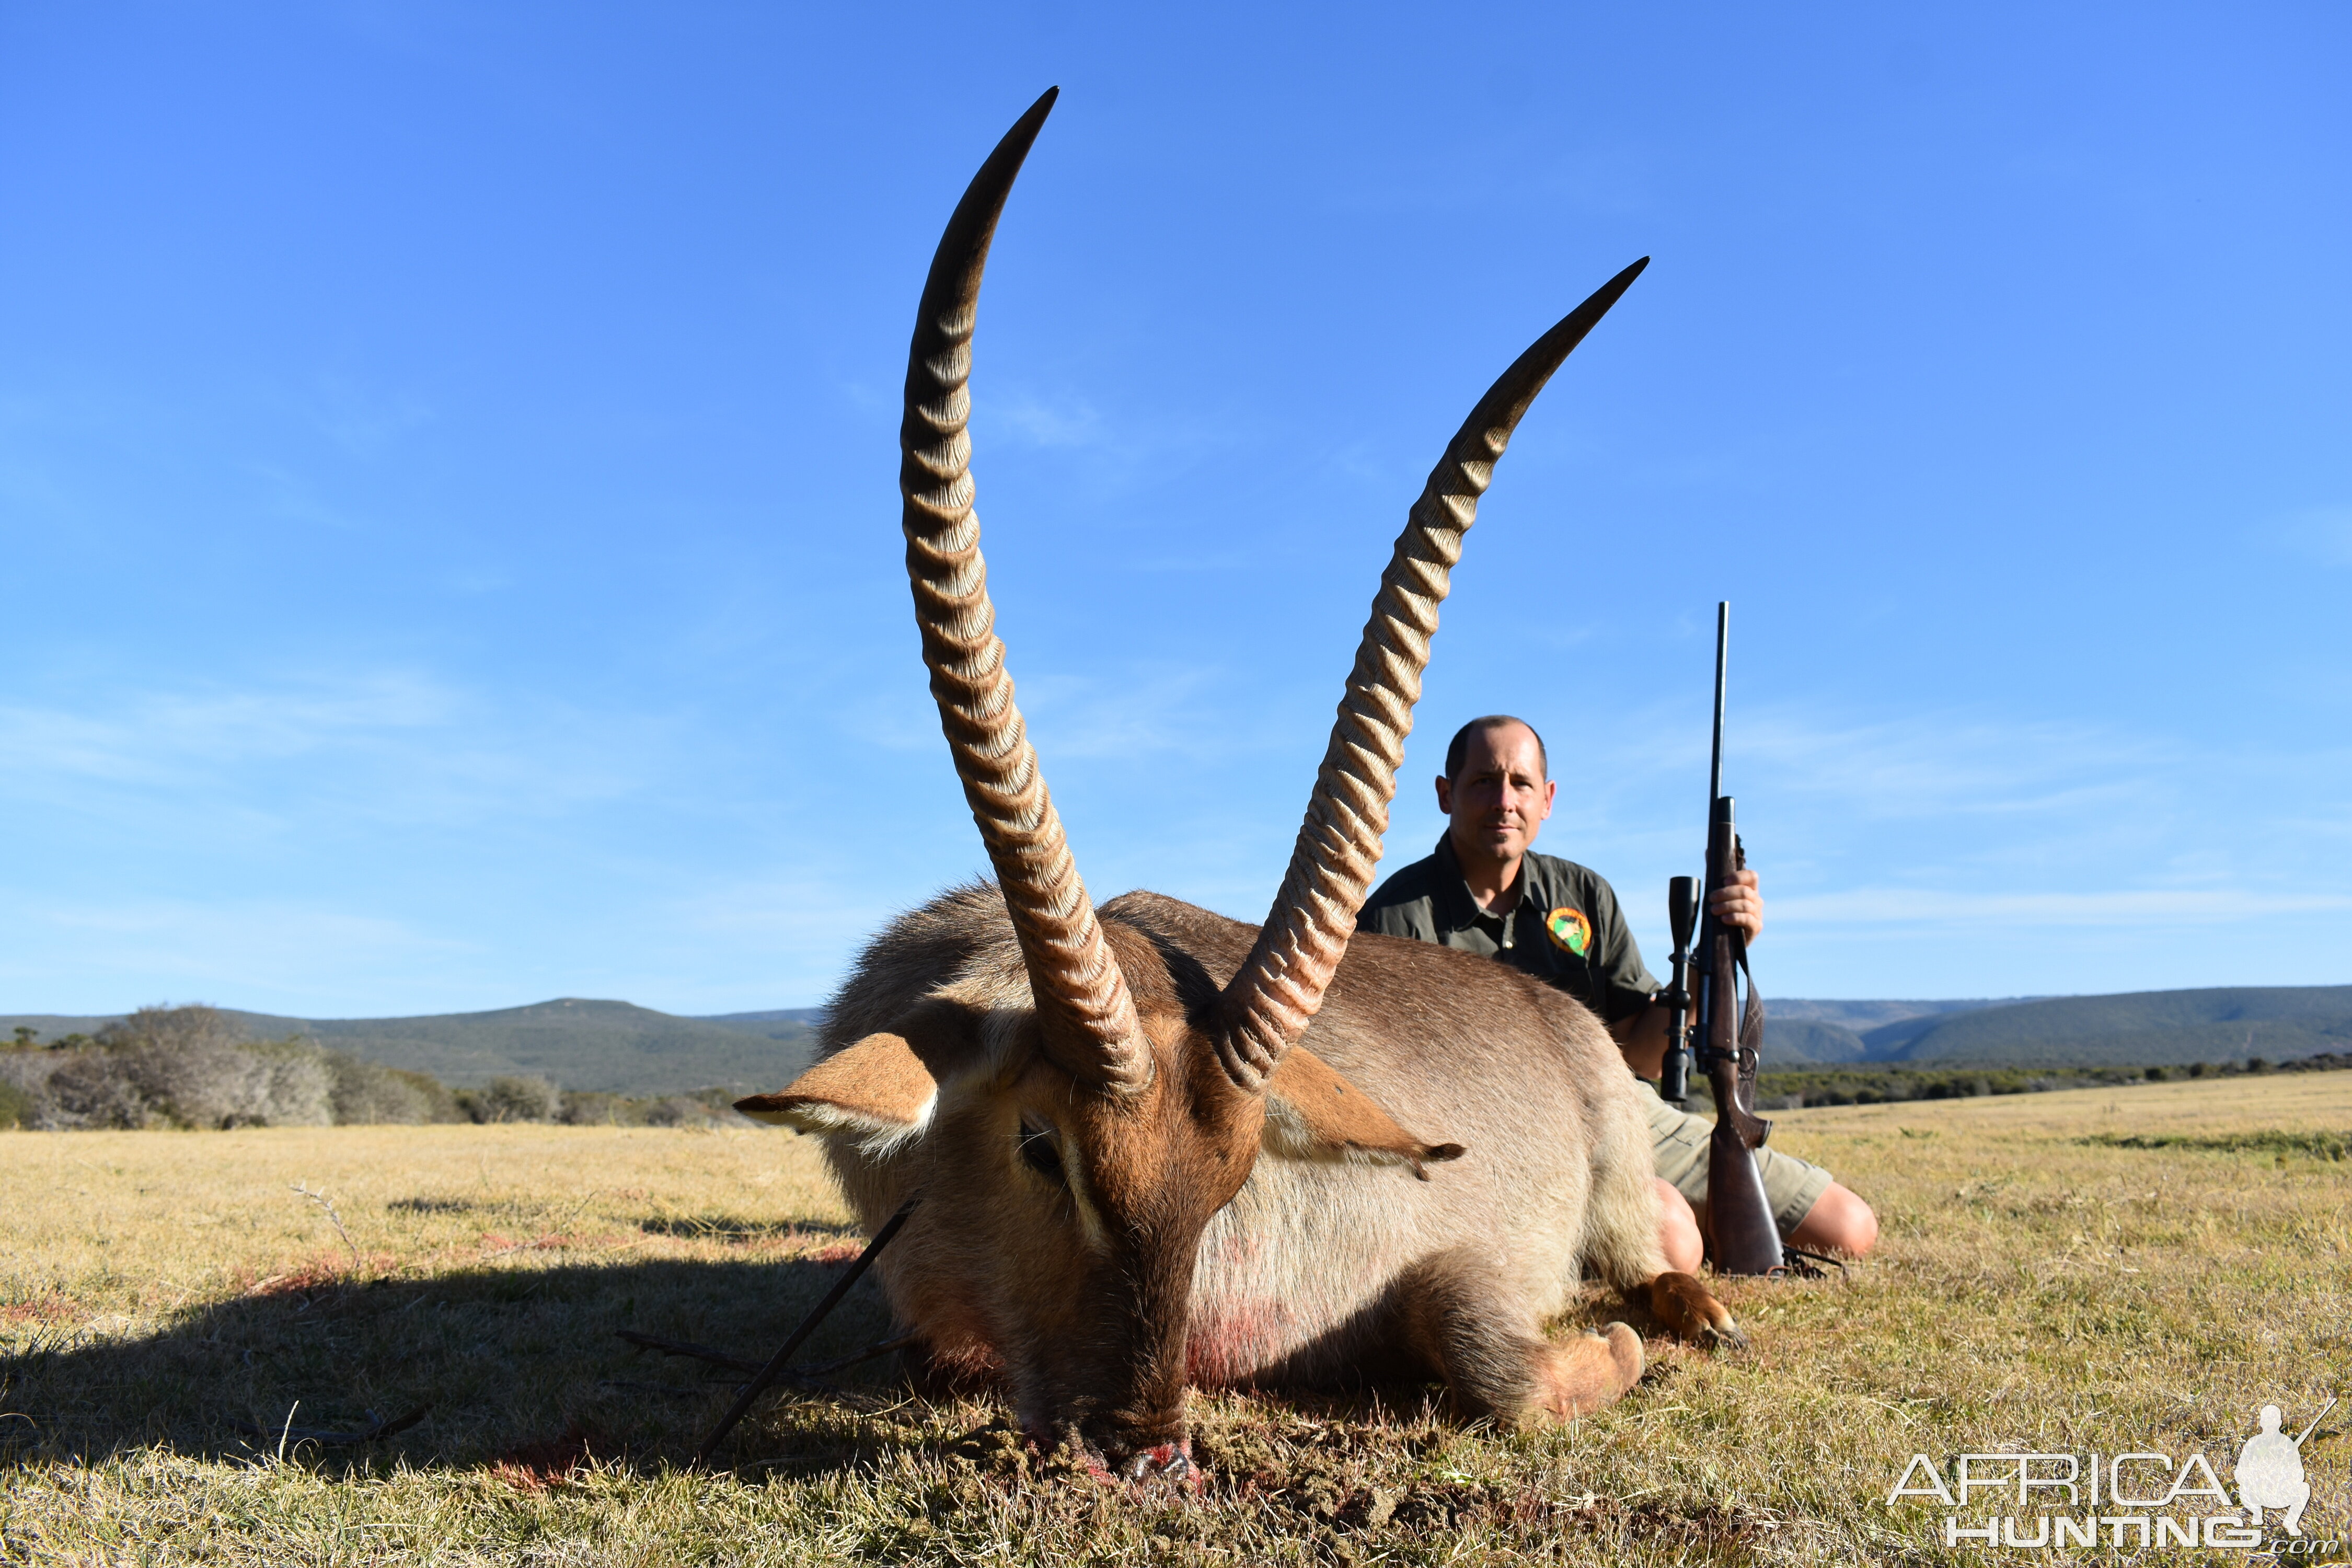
(1498, 789)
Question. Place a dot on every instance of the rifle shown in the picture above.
(1741, 1235)
(1682, 914)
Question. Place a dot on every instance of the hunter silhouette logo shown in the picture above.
(1569, 929)
(2269, 1472)
(2143, 1501)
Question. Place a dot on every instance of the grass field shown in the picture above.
(2103, 1270)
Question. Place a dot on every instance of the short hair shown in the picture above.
(1457, 750)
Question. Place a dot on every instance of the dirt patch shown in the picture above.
(552, 1461)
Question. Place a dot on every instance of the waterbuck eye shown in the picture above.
(1038, 1153)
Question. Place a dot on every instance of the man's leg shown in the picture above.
(1811, 1210)
(1678, 1234)
(1839, 1221)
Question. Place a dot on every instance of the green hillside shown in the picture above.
(611, 1047)
(1809, 1040)
(619, 1048)
(2141, 1028)
(1859, 1017)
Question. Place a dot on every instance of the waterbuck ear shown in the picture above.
(877, 1086)
(1311, 1111)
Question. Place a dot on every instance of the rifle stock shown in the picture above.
(1742, 1238)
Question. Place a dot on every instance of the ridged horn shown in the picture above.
(1278, 989)
(1085, 1018)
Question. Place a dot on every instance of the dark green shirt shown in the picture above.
(1566, 928)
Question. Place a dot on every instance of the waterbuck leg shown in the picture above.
(1459, 1316)
(1690, 1311)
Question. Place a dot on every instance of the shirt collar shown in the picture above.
(1456, 909)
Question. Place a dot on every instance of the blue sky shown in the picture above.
(447, 474)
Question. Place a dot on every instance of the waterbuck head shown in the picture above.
(1079, 1100)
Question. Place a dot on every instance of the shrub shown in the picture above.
(368, 1093)
(182, 1066)
(678, 1111)
(530, 1098)
(95, 1088)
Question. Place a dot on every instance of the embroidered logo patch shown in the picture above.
(1570, 929)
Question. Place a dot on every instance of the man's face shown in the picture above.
(1499, 800)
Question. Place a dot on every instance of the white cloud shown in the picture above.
(2322, 534)
(2172, 907)
(1067, 422)
(155, 736)
(272, 954)
(386, 745)
(365, 423)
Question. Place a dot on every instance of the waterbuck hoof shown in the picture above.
(1689, 1309)
(1589, 1372)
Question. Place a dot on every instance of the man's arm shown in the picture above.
(1643, 1035)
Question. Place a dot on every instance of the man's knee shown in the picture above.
(1678, 1228)
(1839, 1221)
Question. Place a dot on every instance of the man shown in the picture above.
(1485, 892)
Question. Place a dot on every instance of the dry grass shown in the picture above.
(2035, 1287)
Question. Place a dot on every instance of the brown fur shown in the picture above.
(1193, 1235)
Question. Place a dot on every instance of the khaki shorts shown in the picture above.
(1678, 1144)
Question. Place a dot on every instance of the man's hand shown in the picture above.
(1741, 904)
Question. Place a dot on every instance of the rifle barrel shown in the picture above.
(1722, 673)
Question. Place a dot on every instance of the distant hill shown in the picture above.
(1799, 1029)
(1809, 1040)
(620, 1049)
(613, 1047)
(2137, 1029)
(2141, 1028)
(788, 1022)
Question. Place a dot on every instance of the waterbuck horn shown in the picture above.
(1086, 1018)
(1278, 989)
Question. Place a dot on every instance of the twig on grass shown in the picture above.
(682, 1347)
(699, 1390)
(326, 1203)
(779, 1365)
(878, 1348)
(719, 1358)
(379, 1427)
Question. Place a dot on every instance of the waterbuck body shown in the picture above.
(1329, 1262)
(1156, 1147)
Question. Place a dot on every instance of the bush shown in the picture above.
(96, 1090)
(193, 1067)
(369, 1093)
(513, 1099)
(182, 1066)
(678, 1111)
(595, 1108)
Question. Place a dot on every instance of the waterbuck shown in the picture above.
(1156, 1147)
